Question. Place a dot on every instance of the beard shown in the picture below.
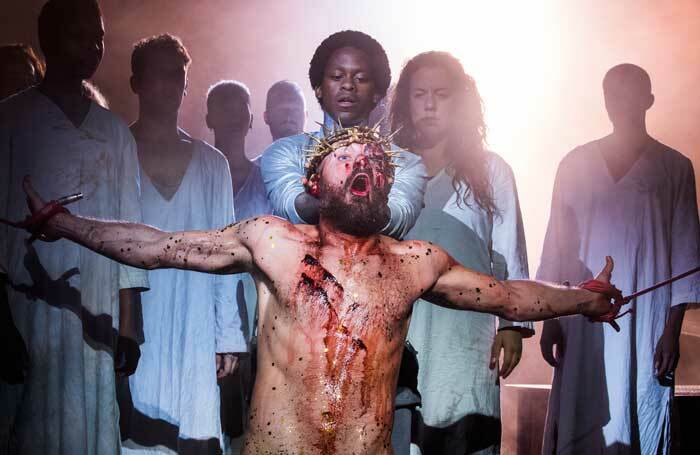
(355, 215)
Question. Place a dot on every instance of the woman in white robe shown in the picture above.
(476, 218)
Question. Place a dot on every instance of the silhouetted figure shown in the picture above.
(70, 144)
(285, 109)
(350, 74)
(633, 197)
(191, 326)
(229, 116)
(472, 211)
(20, 68)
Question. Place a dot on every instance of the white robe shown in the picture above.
(251, 201)
(605, 398)
(64, 298)
(188, 317)
(460, 394)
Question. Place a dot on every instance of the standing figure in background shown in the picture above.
(72, 307)
(191, 326)
(229, 116)
(285, 110)
(472, 211)
(633, 197)
(350, 74)
(20, 68)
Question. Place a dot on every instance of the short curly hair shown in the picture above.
(161, 43)
(351, 38)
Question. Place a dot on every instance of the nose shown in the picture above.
(429, 103)
(348, 84)
(361, 162)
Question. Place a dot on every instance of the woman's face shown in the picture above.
(432, 104)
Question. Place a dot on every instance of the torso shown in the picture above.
(331, 334)
(166, 164)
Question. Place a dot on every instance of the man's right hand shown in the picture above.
(552, 336)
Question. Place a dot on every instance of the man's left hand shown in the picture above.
(666, 356)
(226, 364)
(511, 342)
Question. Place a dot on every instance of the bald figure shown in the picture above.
(285, 110)
(627, 91)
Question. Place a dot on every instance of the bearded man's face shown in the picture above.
(354, 189)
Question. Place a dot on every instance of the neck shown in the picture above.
(330, 236)
(330, 123)
(232, 145)
(434, 156)
(632, 136)
(56, 84)
(156, 127)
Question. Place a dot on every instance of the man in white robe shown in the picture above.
(229, 116)
(64, 300)
(633, 198)
(191, 323)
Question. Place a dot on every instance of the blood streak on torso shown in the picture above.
(341, 346)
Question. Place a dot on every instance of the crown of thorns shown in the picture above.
(343, 137)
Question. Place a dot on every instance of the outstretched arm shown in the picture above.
(519, 300)
(220, 251)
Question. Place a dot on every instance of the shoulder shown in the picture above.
(671, 156)
(580, 154)
(414, 249)
(18, 106)
(286, 145)
(210, 154)
(497, 167)
(269, 228)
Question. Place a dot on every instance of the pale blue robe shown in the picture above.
(188, 316)
(64, 298)
(251, 201)
(454, 347)
(282, 165)
(605, 398)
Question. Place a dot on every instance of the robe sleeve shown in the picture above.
(229, 330)
(282, 168)
(406, 196)
(508, 249)
(129, 188)
(685, 238)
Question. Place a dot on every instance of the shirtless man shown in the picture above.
(335, 299)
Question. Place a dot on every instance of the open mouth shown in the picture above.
(360, 185)
(346, 101)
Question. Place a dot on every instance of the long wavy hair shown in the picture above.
(467, 160)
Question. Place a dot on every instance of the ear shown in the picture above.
(313, 186)
(650, 101)
(376, 99)
(187, 82)
(318, 93)
(267, 122)
(250, 125)
(206, 119)
(133, 83)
